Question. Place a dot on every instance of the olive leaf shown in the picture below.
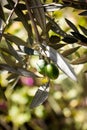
(84, 13)
(70, 51)
(18, 41)
(81, 60)
(18, 70)
(8, 59)
(14, 53)
(60, 61)
(40, 95)
(71, 25)
(70, 39)
(80, 37)
(84, 30)
(55, 27)
(39, 14)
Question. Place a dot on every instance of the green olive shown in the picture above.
(51, 71)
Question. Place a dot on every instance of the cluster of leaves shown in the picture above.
(35, 16)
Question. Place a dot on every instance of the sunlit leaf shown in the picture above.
(60, 61)
(40, 95)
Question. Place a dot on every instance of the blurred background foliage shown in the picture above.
(66, 106)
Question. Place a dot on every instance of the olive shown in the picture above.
(51, 71)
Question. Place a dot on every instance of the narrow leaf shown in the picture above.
(81, 60)
(72, 25)
(60, 61)
(70, 39)
(80, 37)
(19, 5)
(14, 53)
(84, 13)
(25, 72)
(40, 96)
(18, 41)
(70, 51)
(84, 30)
(8, 59)
(8, 68)
(57, 46)
(55, 27)
(39, 14)
(18, 70)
